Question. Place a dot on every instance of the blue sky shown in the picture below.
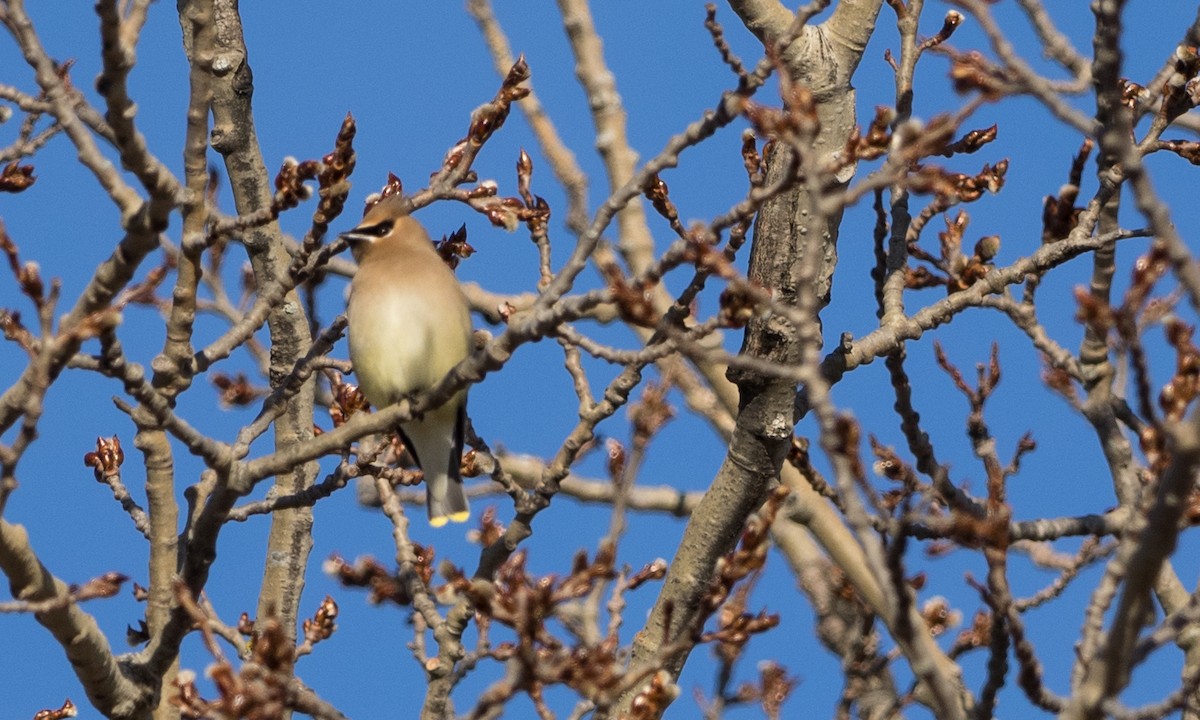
(411, 73)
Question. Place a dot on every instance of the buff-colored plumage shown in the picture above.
(409, 325)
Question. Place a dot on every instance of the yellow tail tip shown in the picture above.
(438, 521)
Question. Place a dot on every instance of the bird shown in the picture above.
(409, 324)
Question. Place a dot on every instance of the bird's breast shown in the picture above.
(402, 342)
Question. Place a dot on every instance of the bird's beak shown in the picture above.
(358, 243)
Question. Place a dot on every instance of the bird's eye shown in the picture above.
(377, 230)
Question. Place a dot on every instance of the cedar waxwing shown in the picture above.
(409, 325)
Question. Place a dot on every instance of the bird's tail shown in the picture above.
(439, 453)
(445, 499)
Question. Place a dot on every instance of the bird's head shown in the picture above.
(387, 221)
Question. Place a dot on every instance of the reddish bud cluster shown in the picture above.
(1191, 511)
(96, 324)
(63, 71)
(949, 25)
(774, 687)
(794, 124)
(489, 118)
(889, 465)
(236, 391)
(1184, 385)
(143, 293)
(1186, 149)
(1059, 380)
(878, 138)
(347, 400)
(735, 626)
(988, 376)
(798, 455)
(727, 598)
(105, 586)
(972, 71)
(649, 414)
(657, 192)
(106, 459)
(976, 636)
(737, 306)
(524, 176)
(972, 141)
(454, 247)
(751, 160)
(1059, 214)
(950, 187)
(508, 211)
(616, 460)
(259, 690)
(939, 548)
(961, 270)
(969, 530)
(706, 258)
(67, 710)
(1133, 94)
(290, 189)
(916, 278)
(27, 274)
(249, 283)
(10, 325)
(506, 310)
(847, 435)
(939, 616)
(632, 300)
(333, 178)
(366, 572)
(321, 625)
(523, 603)
(1181, 91)
(654, 697)
(393, 186)
(747, 559)
(1093, 312)
(1147, 271)
(490, 529)
(654, 570)
(15, 178)
(1127, 320)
